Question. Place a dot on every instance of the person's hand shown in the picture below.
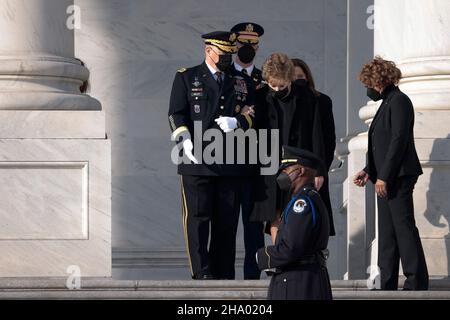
(318, 182)
(188, 147)
(227, 124)
(381, 188)
(361, 178)
(248, 110)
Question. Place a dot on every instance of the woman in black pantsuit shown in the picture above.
(393, 166)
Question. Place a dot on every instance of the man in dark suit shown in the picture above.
(209, 95)
(393, 166)
(247, 42)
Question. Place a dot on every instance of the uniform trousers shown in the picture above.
(210, 215)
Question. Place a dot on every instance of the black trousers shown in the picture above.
(399, 238)
(311, 282)
(253, 231)
(211, 203)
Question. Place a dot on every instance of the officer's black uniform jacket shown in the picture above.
(391, 149)
(256, 77)
(304, 231)
(196, 97)
(254, 82)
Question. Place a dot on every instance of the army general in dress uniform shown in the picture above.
(208, 94)
(298, 257)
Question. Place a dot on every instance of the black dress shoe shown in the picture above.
(205, 276)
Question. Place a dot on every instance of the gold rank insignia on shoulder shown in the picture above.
(182, 70)
(237, 109)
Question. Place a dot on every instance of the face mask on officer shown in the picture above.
(224, 61)
(285, 180)
(374, 94)
(246, 53)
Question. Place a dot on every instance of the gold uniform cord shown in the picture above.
(185, 214)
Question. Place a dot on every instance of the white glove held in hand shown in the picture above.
(227, 124)
(188, 147)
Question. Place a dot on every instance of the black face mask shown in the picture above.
(280, 94)
(284, 182)
(246, 53)
(301, 82)
(224, 62)
(374, 94)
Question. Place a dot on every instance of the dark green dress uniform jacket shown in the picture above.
(256, 77)
(196, 96)
(303, 232)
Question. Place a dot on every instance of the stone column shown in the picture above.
(416, 35)
(351, 149)
(54, 158)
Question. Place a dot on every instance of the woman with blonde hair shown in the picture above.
(290, 109)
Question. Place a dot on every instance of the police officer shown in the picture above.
(247, 41)
(209, 95)
(298, 256)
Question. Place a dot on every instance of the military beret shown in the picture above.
(224, 40)
(305, 158)
(248, 32)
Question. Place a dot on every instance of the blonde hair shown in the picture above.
(278, 66)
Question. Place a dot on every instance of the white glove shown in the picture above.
(227, 124)
(188, 147)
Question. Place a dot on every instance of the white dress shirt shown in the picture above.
(240, 68)
(213, 71)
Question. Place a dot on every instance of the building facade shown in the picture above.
(87, 178)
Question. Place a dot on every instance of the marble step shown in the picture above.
(95, 288)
